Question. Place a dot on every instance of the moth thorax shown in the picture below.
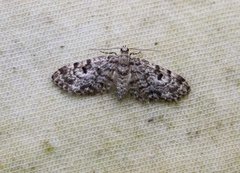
(124, 60)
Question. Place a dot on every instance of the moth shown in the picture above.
(123, 72)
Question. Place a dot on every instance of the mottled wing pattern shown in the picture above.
(152, 82)
(87, 77)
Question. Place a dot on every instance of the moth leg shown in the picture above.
(109, 52)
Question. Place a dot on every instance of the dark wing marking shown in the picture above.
(87, 77)
(152, 82)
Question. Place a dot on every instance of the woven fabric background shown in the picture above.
(44, 129)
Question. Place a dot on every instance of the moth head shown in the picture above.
(124, 50)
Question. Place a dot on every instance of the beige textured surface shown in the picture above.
(43, 129)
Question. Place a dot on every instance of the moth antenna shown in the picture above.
(145, 49)
(105, 48)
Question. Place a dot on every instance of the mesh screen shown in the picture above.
(44, 129)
